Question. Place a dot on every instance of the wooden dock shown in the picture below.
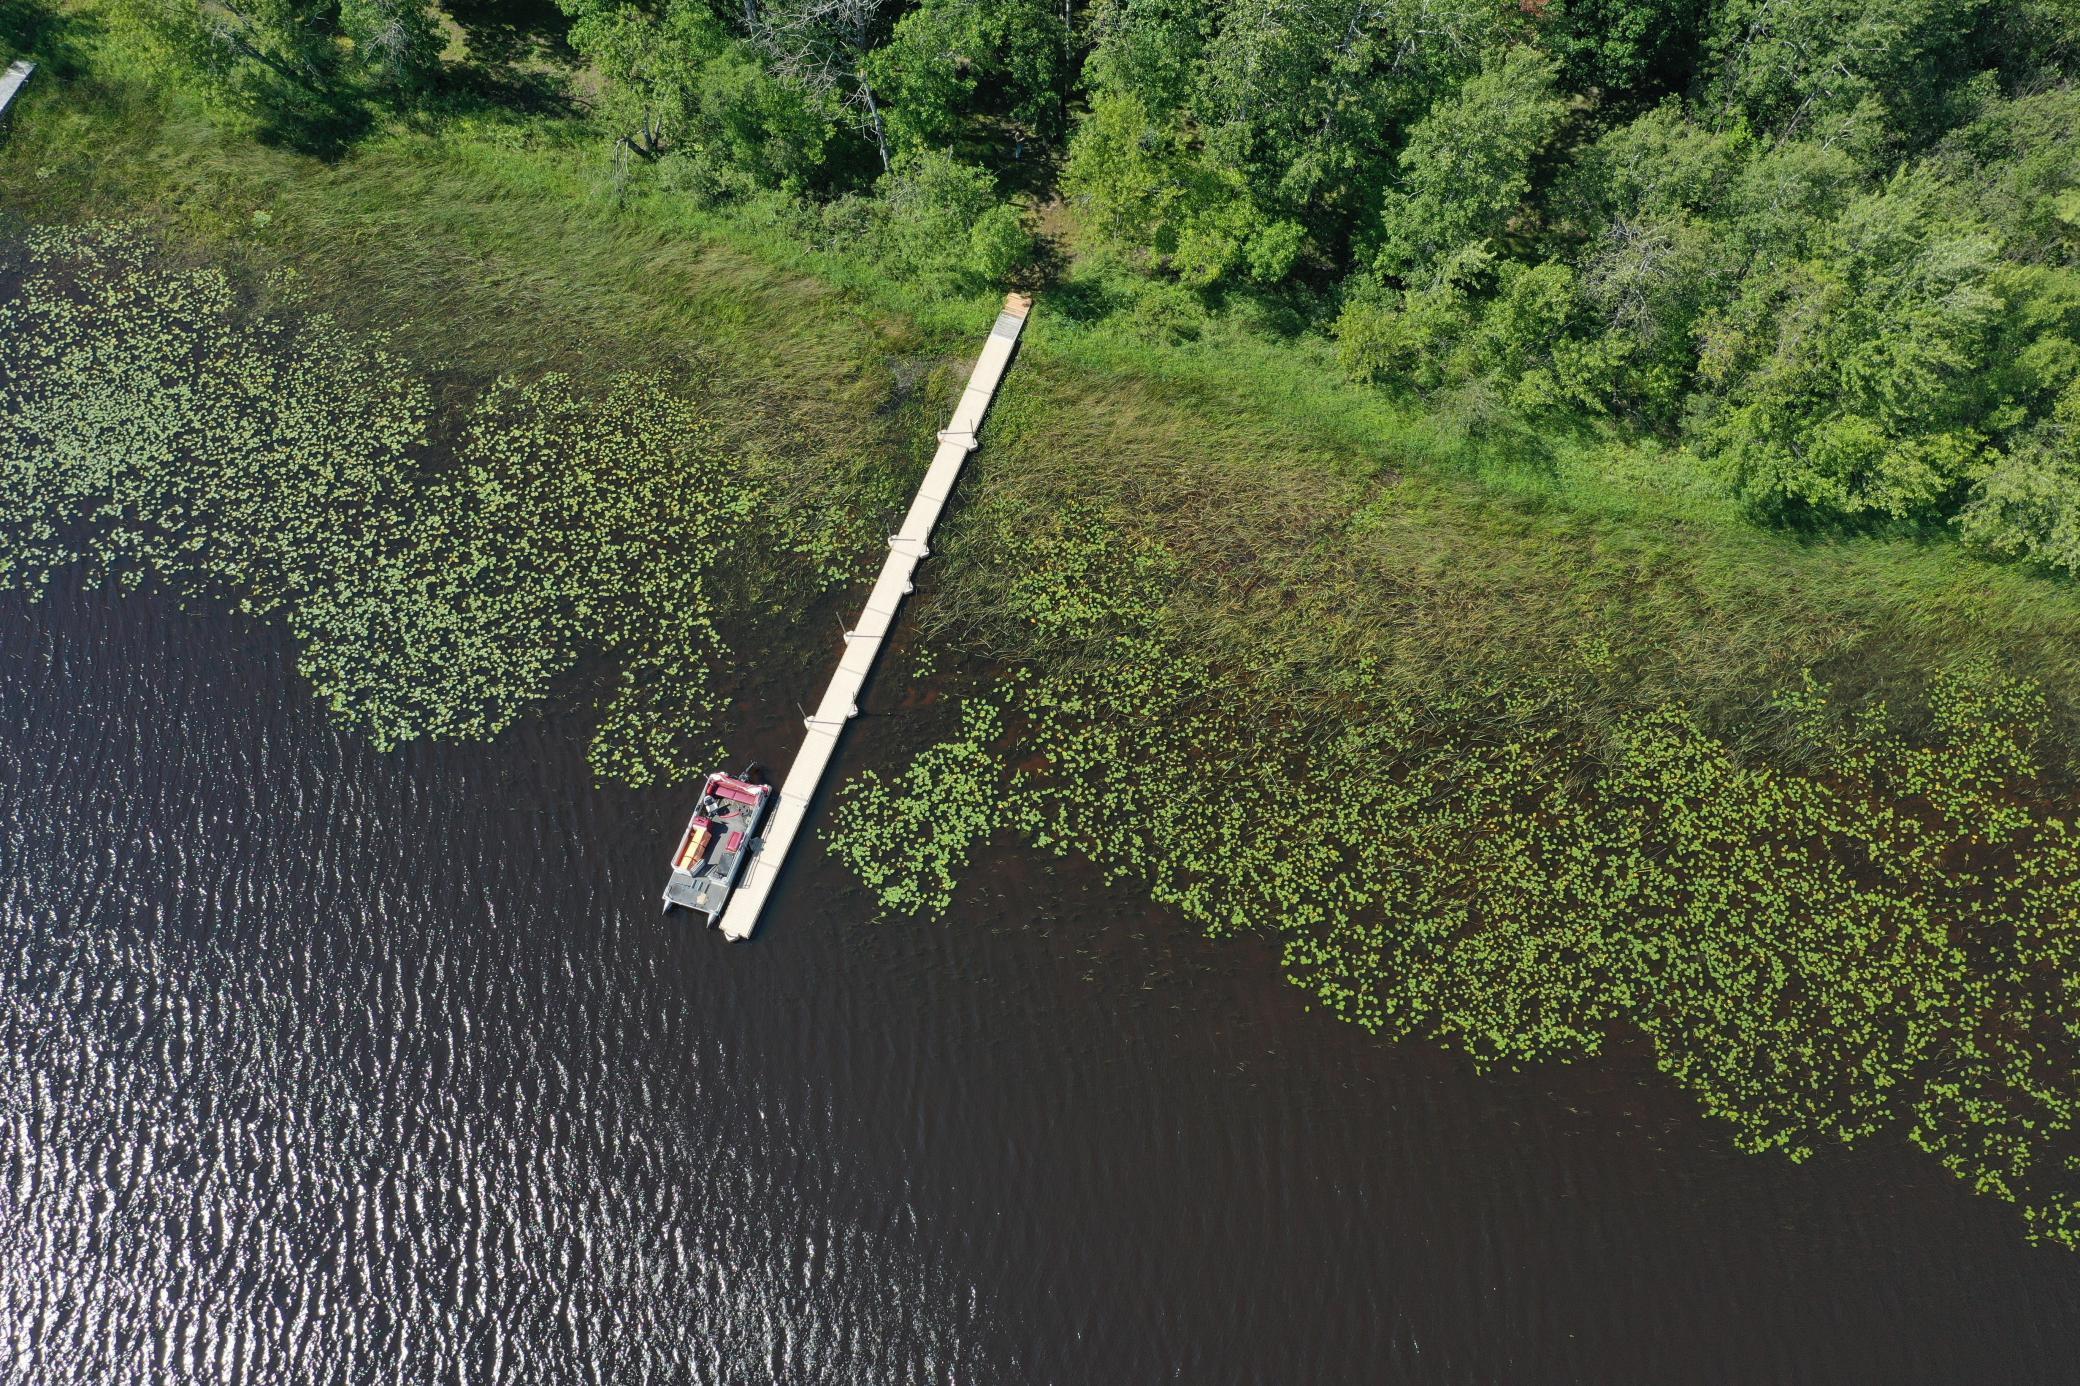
(906, 548)
(11, 81)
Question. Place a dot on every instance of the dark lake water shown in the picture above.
(324, 1065)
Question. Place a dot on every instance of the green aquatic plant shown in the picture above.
(571, 524)
(154, 425)
(160, 424)
(1883, 942)
(908, 837)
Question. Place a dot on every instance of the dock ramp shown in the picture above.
(18, 72)
(907, 547)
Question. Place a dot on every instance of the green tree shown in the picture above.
(2027, 504)
(1269, 112)
(826, 47)
(1646, 284)
(945, 54)
(1515, 347)
(1306, 100)
(1124, 173)
(1628, 50)
(1637, 203)
(1784, 198)
(925, 75)
(292, 39)
(2036, 40)
(943, 223)
(672, 77)
(647, 59)
(1411, 338)
(1869, 76)
(1519, 343)
(746, 123)
(2017, 165)
(1146, 195)
(1657, 165)
(1149, 50)
(274, 55)
(1851, 382)
(397, 42)
(1467, 166)
(1020, 51)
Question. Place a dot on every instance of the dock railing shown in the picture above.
(907, 547)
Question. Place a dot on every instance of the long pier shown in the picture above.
(11, 81)
(906, 549)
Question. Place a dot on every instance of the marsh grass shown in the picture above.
(1331, 536)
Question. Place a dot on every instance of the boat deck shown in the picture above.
(706, 884)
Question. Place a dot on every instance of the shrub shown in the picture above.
(771, 134)
(2028, 506)
(1852, 379)
(1166, 313)
(942, 222)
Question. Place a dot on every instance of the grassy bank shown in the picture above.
(1319, 528)
(1509, 741)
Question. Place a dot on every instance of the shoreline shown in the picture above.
(1698, 608)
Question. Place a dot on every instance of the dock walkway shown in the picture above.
(11, 81)
(906, 548)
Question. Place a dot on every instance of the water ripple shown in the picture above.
(303, 1077)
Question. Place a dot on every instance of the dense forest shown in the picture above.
(1827, 251)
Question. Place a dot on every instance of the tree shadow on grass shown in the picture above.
(1083, 299)
(516, 62)
(322, 120)
(519, 58)
(54, 40)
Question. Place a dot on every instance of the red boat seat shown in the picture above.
(733, 841)
(735, 790)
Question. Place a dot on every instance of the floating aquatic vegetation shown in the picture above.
(155, 423)
(909, 837)
(1890, 941)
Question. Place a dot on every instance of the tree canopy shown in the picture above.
(1832, 251)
